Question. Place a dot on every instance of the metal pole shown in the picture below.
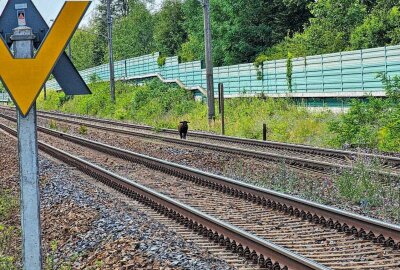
(110, 51)
(209, 64)
(221, 106)
(28, 165)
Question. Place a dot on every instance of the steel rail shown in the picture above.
(321, 166)
(350, 223)
(390, 160)
(258, 250)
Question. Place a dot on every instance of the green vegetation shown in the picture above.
(339, 25)
(8, 233)
(53, 124)
(164, 106)
(259, 65)
(241, 29)
(371, 124)
(83, 130)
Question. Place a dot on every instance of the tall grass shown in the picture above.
(164, 106)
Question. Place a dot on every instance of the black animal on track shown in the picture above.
(183, 129)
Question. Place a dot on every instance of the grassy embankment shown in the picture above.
(374, 125)
(163, 106)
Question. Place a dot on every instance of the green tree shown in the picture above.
(133, 34)
(169, 30)
(242, 29)
(380, 28)
(329, 29)
(82, 47)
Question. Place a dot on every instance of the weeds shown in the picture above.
(364, 186)
(50, 260)
(53, 125)
(8, 234)
(83, 130)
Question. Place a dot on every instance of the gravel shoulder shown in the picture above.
(87, 227)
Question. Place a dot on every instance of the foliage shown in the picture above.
(82, 47)
(83, 130)
(8, 234)
(169, 31)
(339, 25)
(374, 123)
(259, 65)
(380, 28)
(362, 183)
(53, 125)
(289, 72)
(243, 29)
(164, 106)
(133, 34)
(161, 60)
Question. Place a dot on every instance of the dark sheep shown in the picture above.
(183, 129)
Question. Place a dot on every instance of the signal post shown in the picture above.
(24, 75)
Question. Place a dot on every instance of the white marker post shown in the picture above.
(28, 165)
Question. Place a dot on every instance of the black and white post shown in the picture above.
(28, 165)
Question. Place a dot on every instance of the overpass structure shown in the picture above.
(328, 78)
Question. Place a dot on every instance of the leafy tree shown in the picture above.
(328, 31)
(372, 124)
(242, 29)
(169, 30)
(193, 48)
(82, 47)
(380, 28)
(133, 34)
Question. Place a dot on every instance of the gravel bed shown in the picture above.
(86, 227)
(108, 222)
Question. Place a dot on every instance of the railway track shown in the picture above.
(260, 251)
(303, 149)
(279, 209)
(297, 162)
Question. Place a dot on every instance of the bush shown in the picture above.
(374, 123)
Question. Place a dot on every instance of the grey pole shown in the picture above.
(110, 51)
(28, 165)
(209, 64)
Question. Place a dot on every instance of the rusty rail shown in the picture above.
(260, 251)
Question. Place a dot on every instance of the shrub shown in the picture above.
(259, 65)
(374, 123)
(83, 130)
(53, 124)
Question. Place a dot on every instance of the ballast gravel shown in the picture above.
(110, 234)
(86, 227)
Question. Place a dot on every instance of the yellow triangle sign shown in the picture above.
(24, 78)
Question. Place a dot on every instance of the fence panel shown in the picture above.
(344, 72)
